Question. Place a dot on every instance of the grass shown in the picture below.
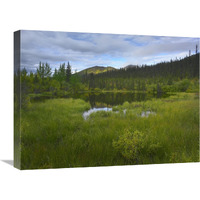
(55, 135)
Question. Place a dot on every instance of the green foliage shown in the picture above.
(161, 77)
(54, 86)
(135, 79)
(131, 145)
(68, 72)
(99, 114)
(54, 133)
(25, 102)
(135, 146)
(44, 70)
(75, 83)
(183, 85)
(60, 74)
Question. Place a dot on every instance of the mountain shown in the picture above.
(130, 66)
(96, 70)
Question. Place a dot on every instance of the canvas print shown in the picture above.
(90, 99)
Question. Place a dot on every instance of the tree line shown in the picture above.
(173, 76)
(163, 76)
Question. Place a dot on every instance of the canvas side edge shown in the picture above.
(17, 101)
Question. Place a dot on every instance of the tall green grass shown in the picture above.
(55, 135)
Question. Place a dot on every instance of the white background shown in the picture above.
(170, 18)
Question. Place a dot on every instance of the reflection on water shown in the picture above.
(86, 114)
(106, 99)
(147, 113)
(109, 99)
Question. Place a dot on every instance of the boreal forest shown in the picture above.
(180, 75)
(103, 116)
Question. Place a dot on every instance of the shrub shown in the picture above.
(135, 146)
(125, 104)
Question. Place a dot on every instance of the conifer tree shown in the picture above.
(68, 72)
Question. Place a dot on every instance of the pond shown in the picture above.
(106, 99)
(147, 113)
(86, 114)
(110, 99)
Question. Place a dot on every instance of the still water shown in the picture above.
(110, 99)
(86, 114)
(105, 101)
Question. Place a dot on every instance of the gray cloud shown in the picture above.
(87, 49)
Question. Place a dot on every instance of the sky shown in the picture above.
(83, 50)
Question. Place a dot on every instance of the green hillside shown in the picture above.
(96, 70)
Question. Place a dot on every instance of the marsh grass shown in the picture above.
(54, 133)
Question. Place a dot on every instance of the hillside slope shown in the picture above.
(96, 70)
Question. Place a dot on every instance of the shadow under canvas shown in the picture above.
(10, 162)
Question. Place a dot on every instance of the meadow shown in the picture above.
(54, 133)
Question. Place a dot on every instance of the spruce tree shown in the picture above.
(68, 72)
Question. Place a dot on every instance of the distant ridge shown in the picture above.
(130, 66)
(96, 70)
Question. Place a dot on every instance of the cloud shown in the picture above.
(89, 49)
